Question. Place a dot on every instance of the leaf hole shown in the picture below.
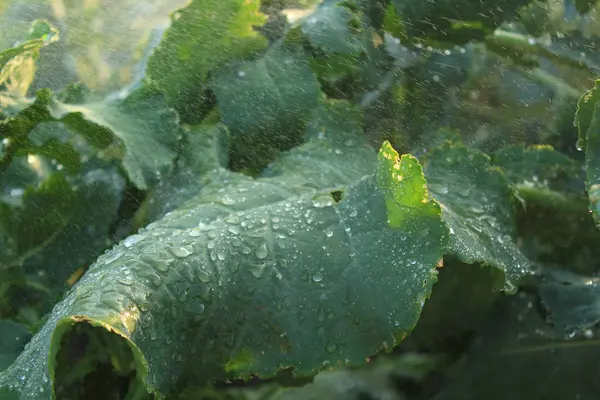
(337, 195)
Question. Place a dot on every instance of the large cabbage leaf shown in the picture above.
(251, 276)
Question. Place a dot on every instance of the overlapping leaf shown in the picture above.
(477, 206)
(203, 36)
(587, 120)
(13, 337)
(538, 166)
(279, 90)
(249, 277)
(518, 355)
(572, 300)
(334, 27)
(58, 227)
(142, 123)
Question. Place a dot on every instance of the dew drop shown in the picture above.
(126, 280)
(203, 276)
(261, 251)
(233, 229)
(194, 233)
(331, 347)
(133, 239)
(160, 264)
(465, 192)
(195, 307)
(182, 251)
(437, 188)
(322, 201)
(317, 276)
(257, 269)
(113, 256)
(232, 219)
(228, 201)
(246, 250)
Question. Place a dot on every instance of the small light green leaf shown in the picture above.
(251, 276)
(585, 112)
(203, 36)
(203, 149)
(477, 205)
(404, 188)
(334, 27)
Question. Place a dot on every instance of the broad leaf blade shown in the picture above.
(203, 36)
(572, 300)
(280, 89)
(518, 356)
(209, 292)
(142, 123)
(477, 206)
(334, 28)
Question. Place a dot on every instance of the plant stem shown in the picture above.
(529, 45)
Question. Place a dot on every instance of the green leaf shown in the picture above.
(141, 122)
(43, 214)
(335, 153)
(477, 206)
(539, 166)
(587, 120)
(13, 337)
(203, 149)
(60, 226)
(18, 64)
(334, 27)
(572, 300)
(517, 355)
(240, 282)
(203, 36)
(279, 91)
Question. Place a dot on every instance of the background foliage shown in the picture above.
(299, 199)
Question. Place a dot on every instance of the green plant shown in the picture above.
(279, 190)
